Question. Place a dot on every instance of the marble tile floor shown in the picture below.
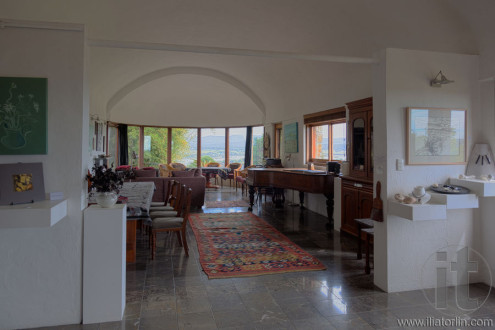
(172, 292)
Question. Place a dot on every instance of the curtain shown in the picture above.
(123, 145)
(247, 152)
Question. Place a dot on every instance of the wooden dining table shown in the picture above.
(210, 172)
(138, 196)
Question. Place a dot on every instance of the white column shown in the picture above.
(104, 263)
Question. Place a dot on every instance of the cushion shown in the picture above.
(161, 208)
(156, 204)
(145, 173)
(183, 174)
(148, 168)
(164, 223)
(198, 172)
(123, 168)
(163, 214)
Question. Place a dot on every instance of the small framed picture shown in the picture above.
(21, 183)
(436, 136)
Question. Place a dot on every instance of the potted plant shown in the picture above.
(106, 183)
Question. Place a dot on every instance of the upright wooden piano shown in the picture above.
(302, 180)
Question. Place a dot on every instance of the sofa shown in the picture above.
(196, 183)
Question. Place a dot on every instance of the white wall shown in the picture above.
(486, 226)
(404, 246)
(41, 269)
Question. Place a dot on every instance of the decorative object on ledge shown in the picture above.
(421, 195)
(480, 161)
(106, 183)
(436, 136)
(449, 189)
(21, 183)
(440, 80)
(23, 119)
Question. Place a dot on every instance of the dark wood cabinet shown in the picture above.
(357, 200)
(357, 187)
(360, 132)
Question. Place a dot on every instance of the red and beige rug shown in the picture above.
(222, 204)
(242, 244)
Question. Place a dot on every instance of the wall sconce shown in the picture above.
(440, 80)
(481, 162)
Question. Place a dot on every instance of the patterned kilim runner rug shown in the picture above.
(241, 244)
(218, 204)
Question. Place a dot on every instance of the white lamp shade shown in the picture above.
(481, 161)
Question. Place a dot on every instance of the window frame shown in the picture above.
(310, 138)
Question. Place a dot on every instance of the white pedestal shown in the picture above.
(104, 264)
(38, 214)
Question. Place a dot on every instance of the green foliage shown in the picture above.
(157, 153)
(258, 150)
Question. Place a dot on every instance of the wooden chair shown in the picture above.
(176, 224)
(173, 188)
(241, 178)
(175, 207)
(233, 172)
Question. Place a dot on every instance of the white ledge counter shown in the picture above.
(40, 214)
(417, 212)
(479, 187)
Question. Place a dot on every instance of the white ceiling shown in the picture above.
(238, 90)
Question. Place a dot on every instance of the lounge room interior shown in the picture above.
(274, 66)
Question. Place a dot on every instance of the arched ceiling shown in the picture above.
(286, 87)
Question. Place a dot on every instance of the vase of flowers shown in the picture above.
(106, 183)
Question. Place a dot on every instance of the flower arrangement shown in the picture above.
(105, 180)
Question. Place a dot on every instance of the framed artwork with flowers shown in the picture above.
(23, 116)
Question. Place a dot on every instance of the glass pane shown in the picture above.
(320, 142)
(112, 146)
(155, 146)
(213, 146)
(257, 146)
(237, 145)
(133, 145)
(358, 144)
(338, 141)
(185, 146)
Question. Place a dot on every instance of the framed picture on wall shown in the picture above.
(436, 136)
(23, 116)
(290, 138)
(21, 183)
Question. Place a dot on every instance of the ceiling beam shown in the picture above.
(227, 51)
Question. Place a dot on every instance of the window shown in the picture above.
(326, 136)
(237, 145)
(133, 145)
(155, 146)
(257, 145)
(113, 146)
(185, 146)
(213, 145)
(278, 135)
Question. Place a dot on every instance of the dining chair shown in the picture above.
(234, 167)
(173, 188)
(175, 224)
(175, 203)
